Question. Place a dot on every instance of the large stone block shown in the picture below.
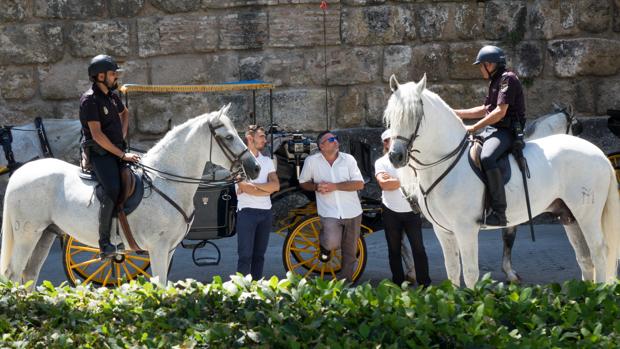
(167, 35)
(237, 3)
(65, 80)
(468, 21)
(156, 114)
(300, 26)
(352, 66)
(608, 95)
(397, 60)
(178, 70)
(173, 6)
(616, 15)
(569, 16)
(541, 94)
(543, 19)
(281, 68)
(92, 38)
(69, 9)
(125, 8)
(18, 83)
(15, 112)
(588, 56)
(459, 96)
(349, 105)
(376, 101)
(30, 43)
(528, 59)
(362, 2)
(134, 72)
(461, 57)
(294, 109)
(505, 20)
(377, 25)
(431, 21)
(12, 10)
(243, 30)
(222, 67)
(594, 15)
(430, 59)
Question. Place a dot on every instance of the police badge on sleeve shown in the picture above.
(504, 86)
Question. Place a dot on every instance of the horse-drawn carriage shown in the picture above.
(215, 215)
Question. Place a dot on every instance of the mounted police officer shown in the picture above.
(503, 113)
(105, 122)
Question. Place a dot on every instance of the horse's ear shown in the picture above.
(393, 83)
(421, 85)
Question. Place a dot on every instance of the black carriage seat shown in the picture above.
(475, 149)
(361, 151)
(132, 188)
(613, 123)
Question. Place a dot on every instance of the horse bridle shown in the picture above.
(230, 155)
(458, 151)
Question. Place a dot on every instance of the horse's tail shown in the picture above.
(7, 238)
(611, 217)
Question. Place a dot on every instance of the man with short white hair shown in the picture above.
(335, 178)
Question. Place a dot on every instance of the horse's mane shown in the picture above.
(181, 130)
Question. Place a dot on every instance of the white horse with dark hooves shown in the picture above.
(570, 177)
(48, 197)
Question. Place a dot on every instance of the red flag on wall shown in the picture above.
(323, 5)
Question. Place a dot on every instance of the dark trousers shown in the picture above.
(107, 169)
(253, 229)
(494, 146)
(395, 224)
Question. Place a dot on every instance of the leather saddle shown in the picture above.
(503, 162)
(132, 192)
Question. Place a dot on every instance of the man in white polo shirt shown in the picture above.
(254, 217)
(335, 178)
(398, 217)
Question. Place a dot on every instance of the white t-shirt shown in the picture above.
(393, 199)
(254, 201)
(337, 204)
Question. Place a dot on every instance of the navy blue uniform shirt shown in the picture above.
(505, 88)
(105, 108)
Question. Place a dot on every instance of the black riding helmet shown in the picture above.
(491, 54)
(101, 64)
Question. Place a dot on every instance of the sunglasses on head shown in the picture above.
(253, 127)
(331, 139)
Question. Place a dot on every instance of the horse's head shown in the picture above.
(231, 151)
(403, 115)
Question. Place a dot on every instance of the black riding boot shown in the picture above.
(105, 226)
(497, 215)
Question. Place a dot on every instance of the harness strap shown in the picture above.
(188, 219)
(425, 193)
(6, 138)
(45, 145)
(122, 219)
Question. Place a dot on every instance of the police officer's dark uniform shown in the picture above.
(95, 105)
(504, 88)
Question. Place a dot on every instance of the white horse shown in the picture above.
(570, 177)
(63, 136)
(558, 122)
(48, 196)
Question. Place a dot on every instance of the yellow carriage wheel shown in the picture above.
(615, 161)
(82, 263)
(300, 252)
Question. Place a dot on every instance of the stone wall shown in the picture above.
(565, 51)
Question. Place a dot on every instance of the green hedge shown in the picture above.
(294, 313)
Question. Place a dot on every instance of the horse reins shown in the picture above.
(458, 151)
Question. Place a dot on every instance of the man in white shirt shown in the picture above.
(335, 178)
(254, 216)
(398, 217)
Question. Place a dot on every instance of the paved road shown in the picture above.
(549, 259)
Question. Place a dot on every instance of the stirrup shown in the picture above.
(492, 213)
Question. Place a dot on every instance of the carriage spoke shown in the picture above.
(129, 277)
(144, 259)
(119, 279)
(107, 277)
(140, 270)
(88, 262)
(300, 264)
(331, 270)
(105, 264)
(305, 238)
(301, 249)
(310, 270)
(79, 249)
